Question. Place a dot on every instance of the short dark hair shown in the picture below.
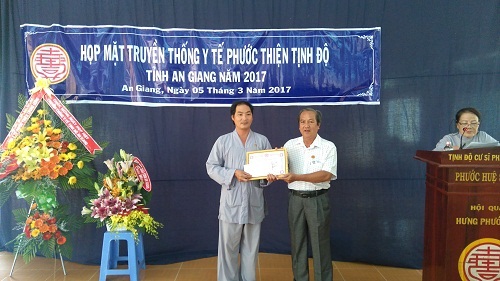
(467, 110)
(317, 112)
(240, 102)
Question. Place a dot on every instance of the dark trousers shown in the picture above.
(309, 218)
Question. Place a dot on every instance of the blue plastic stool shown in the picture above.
(111, 255)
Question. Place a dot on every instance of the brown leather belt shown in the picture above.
(308, 194)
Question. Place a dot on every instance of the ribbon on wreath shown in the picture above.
(142, 174)
(40, 92)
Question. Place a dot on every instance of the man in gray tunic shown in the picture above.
(242, 206)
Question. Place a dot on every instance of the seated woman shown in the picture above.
(467, 121)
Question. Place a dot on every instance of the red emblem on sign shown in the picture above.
(480, 260)
(50, 61)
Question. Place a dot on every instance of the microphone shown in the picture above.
(463, 133)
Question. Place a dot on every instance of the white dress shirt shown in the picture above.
(321, 155)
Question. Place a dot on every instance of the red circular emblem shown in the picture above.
(50, 61)
(480, 260)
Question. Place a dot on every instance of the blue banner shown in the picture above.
(191, 67)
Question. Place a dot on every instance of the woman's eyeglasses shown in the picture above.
(472, 124)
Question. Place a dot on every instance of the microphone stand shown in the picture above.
(463, 133)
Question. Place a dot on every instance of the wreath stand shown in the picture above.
(55, 256)
(17, 253)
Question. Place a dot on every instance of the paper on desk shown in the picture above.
(481, 145)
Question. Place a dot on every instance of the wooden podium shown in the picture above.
(462, 215)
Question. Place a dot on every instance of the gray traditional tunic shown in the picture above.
(454, 139)
(242, 207)
(240, 202)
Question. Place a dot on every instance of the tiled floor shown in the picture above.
(272, 267)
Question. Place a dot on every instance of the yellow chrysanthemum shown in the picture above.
(11, 144)
(26, 141)
(35, 233)
(47, 122)
(71, 155)
(41, 112)
(63, 157)
(72, 146)
(57, 131)
(4, 155)
(80, 164)
(42, 83)
(34, 119)
(72, 180)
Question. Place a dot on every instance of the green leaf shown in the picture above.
(10, 121)
(48, 248)
(26, 247)
(20, 215)
(87, 124)
(7, 188)
(21, 102)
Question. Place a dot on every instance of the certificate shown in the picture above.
(260, 163)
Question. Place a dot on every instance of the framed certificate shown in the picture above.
(260, 163)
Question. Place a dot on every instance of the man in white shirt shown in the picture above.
(312, 164)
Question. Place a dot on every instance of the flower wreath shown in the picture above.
(44, 158)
